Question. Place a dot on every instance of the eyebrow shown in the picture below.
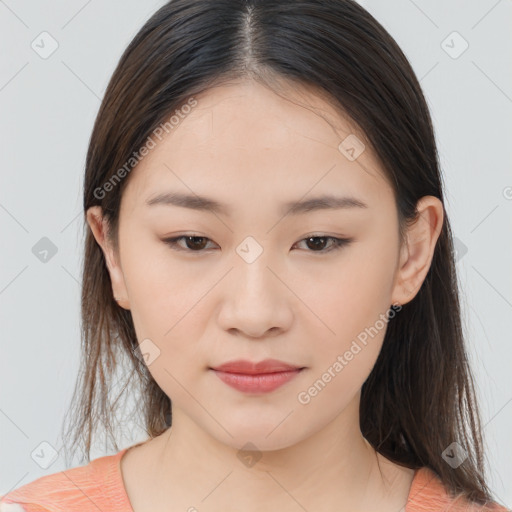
(201, 203)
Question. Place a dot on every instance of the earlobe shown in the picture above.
(417, 253)
(99, 228)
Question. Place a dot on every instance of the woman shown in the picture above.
(268, 251)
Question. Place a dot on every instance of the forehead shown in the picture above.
(242, 142)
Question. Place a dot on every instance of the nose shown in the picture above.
(256, 301)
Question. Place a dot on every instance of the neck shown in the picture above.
(334, 469)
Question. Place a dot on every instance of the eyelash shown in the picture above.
(337, 243)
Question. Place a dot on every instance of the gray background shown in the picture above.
(48, 106)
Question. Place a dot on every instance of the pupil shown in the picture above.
(316, 244)
(195, 238)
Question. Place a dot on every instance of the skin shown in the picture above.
(252, 149)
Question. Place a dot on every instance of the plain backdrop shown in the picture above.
(461, 52)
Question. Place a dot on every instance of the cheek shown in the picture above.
(350, 295)
(164, 292)
(343, 360)
(168, 315)
(353, 304)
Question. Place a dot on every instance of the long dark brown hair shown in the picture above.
(419, 397)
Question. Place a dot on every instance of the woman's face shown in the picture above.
(255, 285)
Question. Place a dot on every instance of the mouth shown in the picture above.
(258, 368)
(260, 377)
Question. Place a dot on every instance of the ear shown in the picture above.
(418, 250)
(99, 228)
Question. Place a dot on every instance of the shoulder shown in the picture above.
(429, 494)
(84, 488)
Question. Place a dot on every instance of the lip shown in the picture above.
(261, 377)
(250, 368)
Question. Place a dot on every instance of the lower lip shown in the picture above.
(262, 383)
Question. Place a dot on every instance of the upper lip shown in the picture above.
(250, 368)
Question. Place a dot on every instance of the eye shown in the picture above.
(319, 243)
(192, 243)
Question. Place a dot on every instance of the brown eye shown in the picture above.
(195, 242)
(318, 243)
(198, 244)
(192, 243)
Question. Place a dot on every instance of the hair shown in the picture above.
(419, 397)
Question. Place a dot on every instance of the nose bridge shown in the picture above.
(255, 299)
(252, 272)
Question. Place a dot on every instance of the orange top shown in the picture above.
(99, 486)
